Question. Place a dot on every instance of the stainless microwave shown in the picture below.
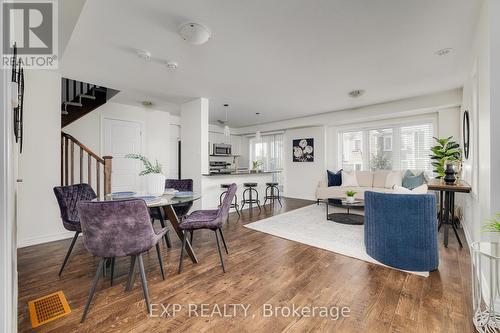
(221, 149)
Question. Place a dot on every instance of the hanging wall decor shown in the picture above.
(18, 98)
(466, 134)
(303, 150)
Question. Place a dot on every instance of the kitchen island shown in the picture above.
(211, 185)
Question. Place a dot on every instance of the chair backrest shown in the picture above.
(179, 184)
(226, 203)
(116, 228)
(68, 197)
(401, 230)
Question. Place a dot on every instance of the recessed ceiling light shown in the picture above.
(194, 33)
(356, 93)
(257, 112)
(146, 55)
(226, 105)
(147, 103)
(172, 64)
(444, 52)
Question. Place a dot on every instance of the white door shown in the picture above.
(173, 150)
(122, 138)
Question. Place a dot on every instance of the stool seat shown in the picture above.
(250, 184)
(225, 185)
(272, 184)
(272, 192)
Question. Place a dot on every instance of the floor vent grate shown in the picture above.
(48, 308)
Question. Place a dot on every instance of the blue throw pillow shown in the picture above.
(334, 178)
(410, 181)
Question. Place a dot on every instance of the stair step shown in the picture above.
(73, 104)
(87, 96)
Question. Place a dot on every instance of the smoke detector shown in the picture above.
(356, 93)
(194, 33)
(146, 55)
(444, 52)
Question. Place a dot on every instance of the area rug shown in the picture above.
(308, 225)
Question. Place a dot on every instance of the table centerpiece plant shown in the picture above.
(155, 180)
(350, 196)
(446, 157)
(256, 165)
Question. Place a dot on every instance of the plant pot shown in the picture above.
(349, 199)
(155, 184)
(449, 177)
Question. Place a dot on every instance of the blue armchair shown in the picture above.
(401, 230)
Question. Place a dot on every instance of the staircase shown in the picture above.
(80, 98)
(79, 165)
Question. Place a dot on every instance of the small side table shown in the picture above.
(485, 255)
(447, 198)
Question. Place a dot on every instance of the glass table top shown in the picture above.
(153, 201)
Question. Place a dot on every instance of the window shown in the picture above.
(269, 150)
(395, 147)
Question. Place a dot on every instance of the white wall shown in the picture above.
(495, 103)
(301, 178)
(155, 129)
(39, 165)
(194, 138)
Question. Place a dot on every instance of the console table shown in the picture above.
(447, 192)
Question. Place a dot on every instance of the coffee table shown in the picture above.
(345, 218)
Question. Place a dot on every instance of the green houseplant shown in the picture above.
(493, 224)
(350, 196)
(155, 180)
(445, 151)
(256, 164)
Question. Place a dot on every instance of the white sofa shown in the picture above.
(375, 181)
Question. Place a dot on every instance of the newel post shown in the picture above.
(107, 174)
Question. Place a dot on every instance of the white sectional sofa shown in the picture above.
(376, 181)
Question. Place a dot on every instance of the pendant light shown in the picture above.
(227, 131)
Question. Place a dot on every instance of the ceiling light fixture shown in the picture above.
(227, 131)
(356, 93)
(172, 64)
(194, 33)
(258, 136)
(444, 51)
(257, 113)
(146, 55)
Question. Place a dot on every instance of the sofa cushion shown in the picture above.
(365, 178)
(410, 181)
(422, 189)
(379, 178)
(394, 178)
(334, 178)
(349, 179)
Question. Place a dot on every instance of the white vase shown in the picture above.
(155, 184)
(349, 199)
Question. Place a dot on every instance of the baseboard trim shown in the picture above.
(43, 239)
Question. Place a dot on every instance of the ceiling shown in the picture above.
(282, 58)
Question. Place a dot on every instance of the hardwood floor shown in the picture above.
(261, 269)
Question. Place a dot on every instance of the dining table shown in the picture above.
(167, 202)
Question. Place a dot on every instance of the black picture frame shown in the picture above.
(466, 133)
(303, 150)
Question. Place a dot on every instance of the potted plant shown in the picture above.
(493, 224)
(256, 165)
(155, 180)
(443, 153)
(350, 196)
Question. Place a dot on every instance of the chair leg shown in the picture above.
(92, 288)
(160, 260)
(191, 233)
(220, 253)
(258, 202)
(162, 223)
(236, 206)
(223, 240)
(104, 268)
(112, 269)
(167, 240)
(265, 197)
(73, 241)
(184, 238)
(144, 283)
(279, 197)
(131, 274)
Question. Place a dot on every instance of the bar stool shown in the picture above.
(250, 188)
(272, 196)
(234, 204)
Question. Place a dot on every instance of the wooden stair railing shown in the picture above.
(69, 164)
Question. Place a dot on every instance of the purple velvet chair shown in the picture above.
(118, 229)
(180, 209)
(209, 219)
(67, 198)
